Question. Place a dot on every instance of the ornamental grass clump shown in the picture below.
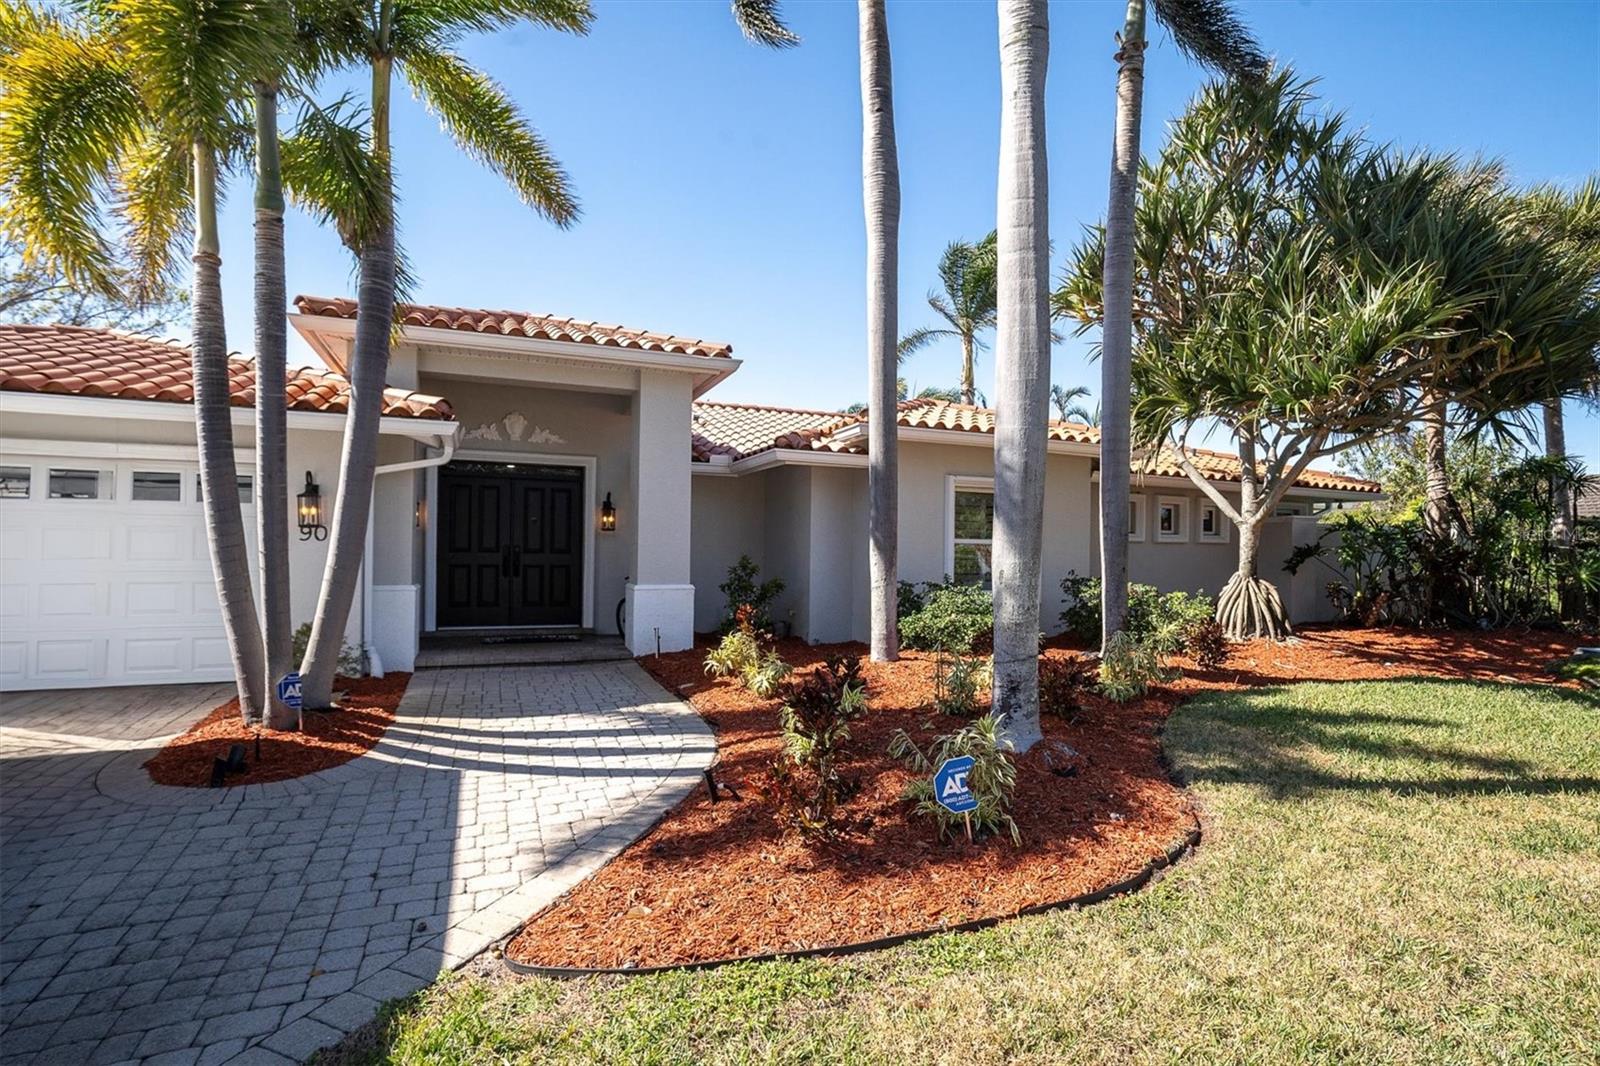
(804, 780)
(993, 778)
(958, 681)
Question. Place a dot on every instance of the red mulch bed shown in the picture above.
(711, 882)
(366, 709)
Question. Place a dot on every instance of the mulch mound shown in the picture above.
(716, 881)
(366, 709)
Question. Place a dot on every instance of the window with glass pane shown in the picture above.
(974, 538)
(245, 489)
(76, 485)
(1170, 513)
(1208, 521)
(15, 481)
(164, 486)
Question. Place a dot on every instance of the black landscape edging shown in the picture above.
(1190, 840)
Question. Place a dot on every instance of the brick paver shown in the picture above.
(259, 923)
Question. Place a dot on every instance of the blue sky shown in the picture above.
(720, 182)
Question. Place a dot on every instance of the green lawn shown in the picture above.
(1392, 871)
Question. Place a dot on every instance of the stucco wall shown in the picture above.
(1194, 565)
(788, 542)
(728, 519)
(562, 422)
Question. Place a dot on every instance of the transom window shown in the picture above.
(1171, 516)
(974, 537)
(163, 486)
(74, 484)
(15, 482)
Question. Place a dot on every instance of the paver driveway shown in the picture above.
(259, 923)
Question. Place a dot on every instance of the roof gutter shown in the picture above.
(55, 403)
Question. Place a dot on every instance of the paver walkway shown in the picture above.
(260, 923)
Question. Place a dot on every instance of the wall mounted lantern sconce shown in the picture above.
(608, 516)
(309, 512)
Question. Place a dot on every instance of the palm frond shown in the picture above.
(68, 106)
(918, 339)
(155, 181)
(761, 21)
(1210, 33)
(329, 171)
(421, 26)
(484, 121)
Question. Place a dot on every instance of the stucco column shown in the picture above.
(660, 593)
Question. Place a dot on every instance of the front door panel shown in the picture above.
(510, 545)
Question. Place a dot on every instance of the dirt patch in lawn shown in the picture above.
(714, 881)
(366, 709)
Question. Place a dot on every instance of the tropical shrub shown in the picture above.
(957, 682)
(1129, 666)
(1208, 643)
(741, 656)
(1164, 616)
(1500, 564)
(951, 618)
(815, 723)
(1062, 683)
(744, 588)
(351, 663)
(993, 778)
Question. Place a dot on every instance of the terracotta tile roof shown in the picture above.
(80, 361)
(527, 324)
(757, 429)
(740, 429)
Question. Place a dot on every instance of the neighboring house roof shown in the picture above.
(1588, 502)
(84, 361)
(756, 429)
(524, 323)
(740, 429)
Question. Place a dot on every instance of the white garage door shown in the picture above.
(105, 577)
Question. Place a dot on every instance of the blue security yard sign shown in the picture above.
(289, 691)
(950, 785)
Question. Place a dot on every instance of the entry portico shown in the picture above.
(502, 529)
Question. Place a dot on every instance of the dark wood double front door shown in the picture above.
(510, 545)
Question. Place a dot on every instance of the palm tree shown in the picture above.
(880, 187)
(967, 304)
(1069, 404)
(135, 103)
(1022, 367)
(1208, 32)
(418, 38)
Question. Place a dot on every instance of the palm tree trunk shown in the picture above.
(1555, 447)
(1116, 347)
(1022, 368)
(1437, 505)
(213, 420)
(880, 177)
(969, 384)
(272, 457)
(368, 373)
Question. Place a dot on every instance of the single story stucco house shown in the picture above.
(505, 438)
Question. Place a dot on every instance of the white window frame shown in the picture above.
(126, 471)
(952, 484)
(1180, 533)
(1223, 525)
(1137, 517)
(105, 495)
(32, 468)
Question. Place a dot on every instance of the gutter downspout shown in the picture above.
(447, 445)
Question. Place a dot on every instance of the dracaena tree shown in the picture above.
(1251, 318)
(1209, 33)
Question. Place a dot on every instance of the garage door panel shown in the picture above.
(61, 599)
(157, 599)
(107, 592)
(77, 543)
